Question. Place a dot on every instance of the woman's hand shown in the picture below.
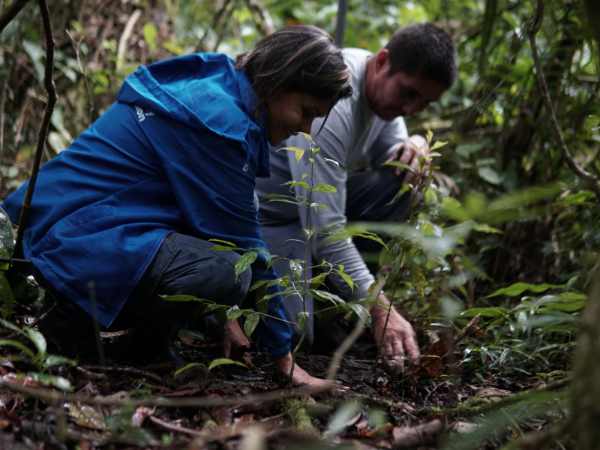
(301, 377)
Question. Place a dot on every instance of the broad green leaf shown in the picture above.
(245, 261)
(318, 280)
(324, 187)
(517, 289)
(234, 312)
(301, 183)
(224, 362)
(12, 327)
(38, 340)
(490, 175)
(250, 323)
(187, 367)
(398, 164)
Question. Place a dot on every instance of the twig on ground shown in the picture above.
(126, 370)
(590, 179)
(50, 395)
(177, 428)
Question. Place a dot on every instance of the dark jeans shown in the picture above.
(183, 265)
(370, 197)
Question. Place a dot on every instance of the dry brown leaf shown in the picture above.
(86, 416)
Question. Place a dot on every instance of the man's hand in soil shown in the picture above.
(235, 342)
(301, 377)
(395, 339)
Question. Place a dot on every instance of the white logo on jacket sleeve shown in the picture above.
(141, 114)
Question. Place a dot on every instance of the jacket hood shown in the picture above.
(198, 89)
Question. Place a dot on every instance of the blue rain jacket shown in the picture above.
(178, 151)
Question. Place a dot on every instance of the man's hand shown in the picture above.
(412, 153)
(235, 342)
(395, 340)
(301, 377)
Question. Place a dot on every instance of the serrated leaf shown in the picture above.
(518, 288)
(245, 261)
(251, 322)
(224, 362)
(38, 340)
(297, 151)
(234, 313)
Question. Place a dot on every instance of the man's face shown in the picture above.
(398, 94)
(293, 112)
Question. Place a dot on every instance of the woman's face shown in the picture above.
(293, 112)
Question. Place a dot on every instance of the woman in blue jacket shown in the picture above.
(125, 213)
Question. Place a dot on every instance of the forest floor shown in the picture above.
(430, 406)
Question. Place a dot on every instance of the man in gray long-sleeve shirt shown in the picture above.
(358, 136)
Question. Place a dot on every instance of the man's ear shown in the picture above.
(382, 59)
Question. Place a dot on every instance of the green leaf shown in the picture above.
(484, 228)
(438, 144)
(328, 296)
(150, 34)
(490, 175)
(398, 164)
(298, 152)
(301, 318)
(489, 312)
(51, 380)
(517, 289)
(224, 362)
(187, 367)
(344, 276)
(12, 327)
(19, 346)
(318, 280)
(301, 183)
(360, 311)
(251, 323)
(324, 187)
(57, 360)
(225, 243)
(38, 340)
(184, 298)
(245, 261)
(234, 313)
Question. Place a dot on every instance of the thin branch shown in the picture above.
(336, 361)
(122, 47)
(589, 178)
(43, 132)
(265, 21)
(11, 12)
(53, 396)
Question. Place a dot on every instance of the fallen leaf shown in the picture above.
(492, 393)
(85, 416)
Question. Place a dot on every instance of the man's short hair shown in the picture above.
(425, 50)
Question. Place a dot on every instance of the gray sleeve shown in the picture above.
(392, 134)
(329, 167)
